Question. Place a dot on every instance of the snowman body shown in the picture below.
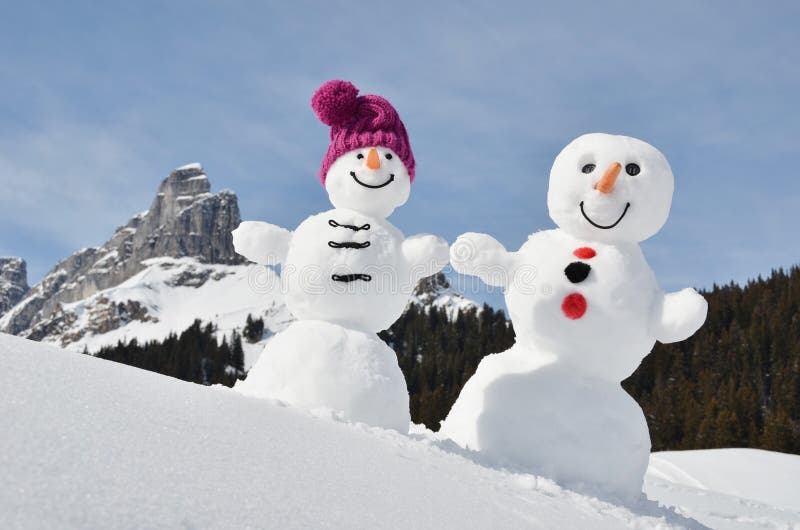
(552, 404)
(345, 276)
(347, 268)
(586, 302)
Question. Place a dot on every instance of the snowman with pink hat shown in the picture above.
(347, 273)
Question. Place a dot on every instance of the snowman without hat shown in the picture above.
(347, 273)
(586, 309)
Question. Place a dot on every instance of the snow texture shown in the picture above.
(95, 444)
(586, 309)
(764, 476)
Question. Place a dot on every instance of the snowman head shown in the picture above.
(371, 180)
(369, 165)
(610, 188)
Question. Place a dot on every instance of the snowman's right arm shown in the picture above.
(483, 256)
(261, 243)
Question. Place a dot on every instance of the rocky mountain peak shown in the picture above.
(190, 179)
(180, 189)
(13, 282)
(184, 220)
(432, 285)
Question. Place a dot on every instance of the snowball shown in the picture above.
(531, 414)
(319, 365)
(261, 243)
(680, 315)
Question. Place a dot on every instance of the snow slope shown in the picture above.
(90, 443)
(763, 476)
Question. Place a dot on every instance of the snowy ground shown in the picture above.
(734, 485)
(87, 443)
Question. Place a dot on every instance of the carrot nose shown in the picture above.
(373, 161)
(606, 184)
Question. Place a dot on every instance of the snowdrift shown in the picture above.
(90, 443)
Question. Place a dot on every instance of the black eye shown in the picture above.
(588, 168)
(388, 156)
(632, 169)
(359, 156)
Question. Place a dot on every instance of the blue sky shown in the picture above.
(101, 100)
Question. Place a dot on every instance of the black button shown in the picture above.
(577, 271)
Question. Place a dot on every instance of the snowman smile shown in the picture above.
(606, 227)
(374, 187)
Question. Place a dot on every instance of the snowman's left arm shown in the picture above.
(425, 255)
(676, 316)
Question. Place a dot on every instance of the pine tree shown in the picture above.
(253, 329)
(237, 353)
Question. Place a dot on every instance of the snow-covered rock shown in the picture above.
(167, 296)
(437, 293)
(97, 444)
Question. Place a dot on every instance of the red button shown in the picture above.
(574, 306)
(584, 253)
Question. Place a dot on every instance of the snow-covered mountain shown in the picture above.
(167, 296)
(436, 292)
(13, 282)
(164, 268)
(97, 444)
(185, 219)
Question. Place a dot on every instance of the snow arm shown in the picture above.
(261, 243)
(679, 315)
(425, 254)
(482, 256)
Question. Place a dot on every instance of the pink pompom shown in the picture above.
(335, 102)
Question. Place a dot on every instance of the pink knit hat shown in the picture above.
(357, 122)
